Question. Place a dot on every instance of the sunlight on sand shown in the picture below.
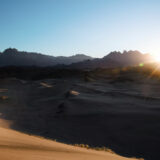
(46, 85)
(21, 146)
(75, 93)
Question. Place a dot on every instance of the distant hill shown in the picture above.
(13, 57)
(114, 59)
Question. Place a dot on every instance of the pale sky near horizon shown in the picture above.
(92, 27)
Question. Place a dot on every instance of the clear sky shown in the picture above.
(92, 27)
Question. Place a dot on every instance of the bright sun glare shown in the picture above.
(157, 57)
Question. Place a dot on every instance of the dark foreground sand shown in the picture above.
(122, 116)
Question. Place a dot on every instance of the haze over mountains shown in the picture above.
(13, 57)
(115, 59)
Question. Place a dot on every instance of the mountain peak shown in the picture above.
(125, 54)
(113, 54)
(10, 50)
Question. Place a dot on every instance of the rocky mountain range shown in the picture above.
(115, 59)
(13, 57)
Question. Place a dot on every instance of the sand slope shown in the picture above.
(121, 116)
(19, 146)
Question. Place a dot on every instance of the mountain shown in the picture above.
(114, 59)
(129, 57)
(13, 57)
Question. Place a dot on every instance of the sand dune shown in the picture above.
(19, 146)
(121, 116)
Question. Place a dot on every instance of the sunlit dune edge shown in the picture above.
(19, 146)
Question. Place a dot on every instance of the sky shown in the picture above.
(92, 27)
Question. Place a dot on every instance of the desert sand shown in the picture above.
(120, 116)
(18, 146)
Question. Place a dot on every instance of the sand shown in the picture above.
(18, 146)
(121, 116)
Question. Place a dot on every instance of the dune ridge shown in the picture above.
(18, 146)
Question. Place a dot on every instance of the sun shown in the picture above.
(156, 57)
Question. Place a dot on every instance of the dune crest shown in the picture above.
(17, 146)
